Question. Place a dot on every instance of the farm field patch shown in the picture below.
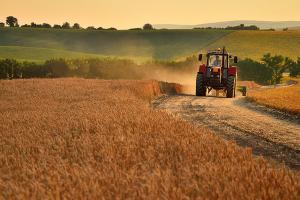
(81, 138)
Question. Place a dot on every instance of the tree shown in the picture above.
(254, 71)
(297, 68)
(56, 26)
(242, 27)
(33, 70)
(12, 21)
(148, 27)
(66, 25)
(45, 25)
(76, 26)
(2, 24)
(79, 67)
(57, 67)
(33, 25)
(112, 29)
(25, 26)
(135, 29)
(294, 67)
(276, 64)
(10, 68)
(90, 28)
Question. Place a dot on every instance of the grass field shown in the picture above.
(143, 45)
(76, 138)
(35, 54)
(159, 44)
(254, 44)
(285, 98)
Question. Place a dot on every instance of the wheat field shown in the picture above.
(96, 139)
(286, 99)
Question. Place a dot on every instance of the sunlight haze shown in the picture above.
(134, 13)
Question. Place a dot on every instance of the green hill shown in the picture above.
(41, 44)
(39, 54)
(253, 44)
(159, 44)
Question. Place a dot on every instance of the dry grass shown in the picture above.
(76, 138)
(248, 84)
(286, 98)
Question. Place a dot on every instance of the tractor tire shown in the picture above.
(200, 87)
(230, 87)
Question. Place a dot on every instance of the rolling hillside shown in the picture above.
(253, 44)
(39, 54)
(170, 44)
(41, 44)
(260, 24)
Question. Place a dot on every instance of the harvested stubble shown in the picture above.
(76, 138)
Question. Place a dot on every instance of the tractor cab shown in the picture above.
(217, 73)
(215, 61)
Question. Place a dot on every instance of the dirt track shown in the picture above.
(269, 133)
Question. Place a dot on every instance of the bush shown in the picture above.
(254, 71)
(33, 70)
(135, 29)
(57, 67)
(115, 68)
(9, 69)
(91, 28)
(270, 70)
(294, 67)
(57, 26)
(242, 27)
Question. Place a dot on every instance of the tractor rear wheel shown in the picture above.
(230, 87)
(200, 87)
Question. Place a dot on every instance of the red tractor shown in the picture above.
(217, 74)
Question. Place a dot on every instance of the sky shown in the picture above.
(125, 14)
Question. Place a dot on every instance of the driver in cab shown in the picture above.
(217, 62)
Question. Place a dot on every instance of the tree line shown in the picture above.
(239, 27)
(105, 68)
(269, 70)
(12, 21)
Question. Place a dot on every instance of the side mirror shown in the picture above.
(235, 59)
(200, 57)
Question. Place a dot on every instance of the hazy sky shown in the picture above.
(134, 13)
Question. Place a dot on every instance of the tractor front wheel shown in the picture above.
(230, 87)
(200, 87)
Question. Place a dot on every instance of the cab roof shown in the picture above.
(218, 51)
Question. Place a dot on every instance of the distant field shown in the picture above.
(253, 44)
(96, 139)
(40, 54)
(143, 45)
(285, 98)
(159, 44)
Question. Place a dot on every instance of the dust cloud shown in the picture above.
(186, 79)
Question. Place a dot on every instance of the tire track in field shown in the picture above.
(271, 136)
